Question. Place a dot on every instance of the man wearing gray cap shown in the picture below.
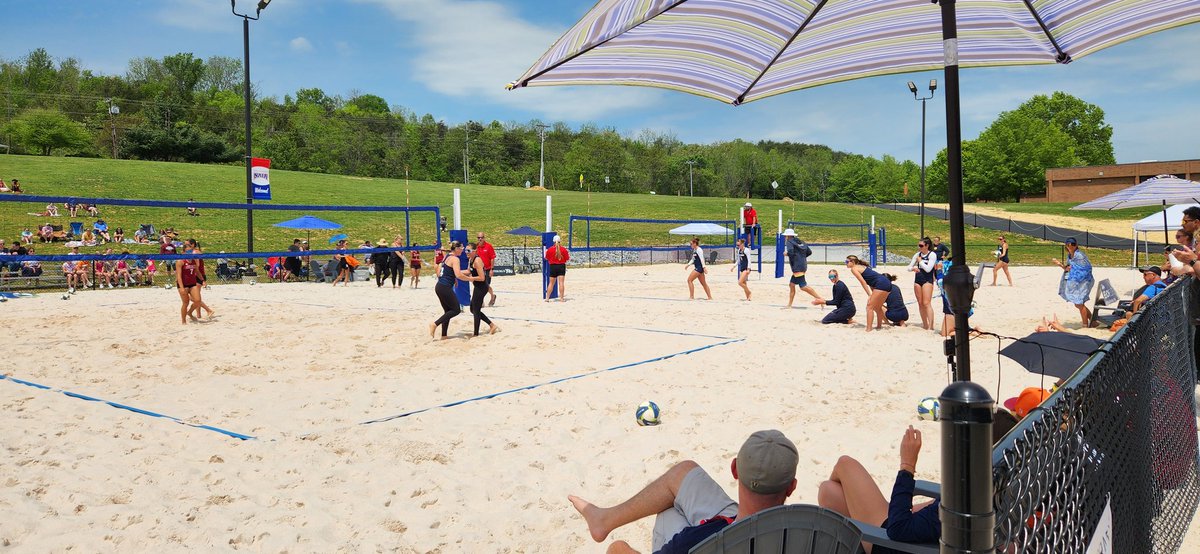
(690, 506)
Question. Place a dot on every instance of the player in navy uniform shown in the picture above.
(742, 266)
(697, 265)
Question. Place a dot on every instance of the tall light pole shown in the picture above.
(922, 99)
(691, 189)
(262, 5)
(542, 168)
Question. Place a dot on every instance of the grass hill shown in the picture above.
(492, 209)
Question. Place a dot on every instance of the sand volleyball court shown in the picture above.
(301, 367)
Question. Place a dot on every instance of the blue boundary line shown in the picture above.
(551, 382)
(127, 407)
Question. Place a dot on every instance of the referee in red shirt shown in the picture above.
(751, 219)
(484, 250)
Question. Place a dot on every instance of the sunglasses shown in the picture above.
(832, 277)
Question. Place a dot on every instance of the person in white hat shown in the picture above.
(750, 222)
(557, 256)
(798, 253)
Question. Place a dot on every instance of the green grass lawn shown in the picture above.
(491, 209)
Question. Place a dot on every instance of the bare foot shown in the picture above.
(492, 302)
(592, 515)
(432, 329)
(493, 330)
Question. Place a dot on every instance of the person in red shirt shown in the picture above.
(750, 217)
(414, 264)
(557, 256)
(486, 253)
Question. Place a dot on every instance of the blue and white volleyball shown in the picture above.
(648, 414)
(929, 409)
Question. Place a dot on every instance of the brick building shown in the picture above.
(1081, 184)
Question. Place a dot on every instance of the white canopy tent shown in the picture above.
(1153, 223)
(702, 229)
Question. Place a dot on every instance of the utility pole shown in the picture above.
(112, 123)
(691, 188)
(542, 168)
(467, 155)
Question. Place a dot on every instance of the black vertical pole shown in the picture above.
(958, 281)
(968, 520)
(249, 183)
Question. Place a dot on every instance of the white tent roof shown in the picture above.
(702, 229)
(1154, 221)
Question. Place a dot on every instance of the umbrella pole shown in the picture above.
(958, 281)
(1166, 234)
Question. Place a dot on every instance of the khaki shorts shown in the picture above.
(699, 498)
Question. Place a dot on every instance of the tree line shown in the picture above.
(184, 108)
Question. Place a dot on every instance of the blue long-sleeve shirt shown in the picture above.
(905, 526)
(841, 296)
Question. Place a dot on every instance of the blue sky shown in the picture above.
(451, 58)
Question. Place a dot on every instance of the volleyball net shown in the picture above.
(832, 242)
(135, 227)
(623, 240)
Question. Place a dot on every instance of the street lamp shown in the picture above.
(691, 189)
(932, 87)
(262, 5)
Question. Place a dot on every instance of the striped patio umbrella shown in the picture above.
(737, 51)
(1164, 189)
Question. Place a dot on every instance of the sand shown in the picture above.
(302, 366)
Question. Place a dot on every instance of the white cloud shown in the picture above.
(472, 48)
(196, 15)
(301, 44)
(343, 48)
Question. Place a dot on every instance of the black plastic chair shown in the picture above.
(792, 529)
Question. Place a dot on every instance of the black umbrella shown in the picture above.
(1052, 353)
(526, 232)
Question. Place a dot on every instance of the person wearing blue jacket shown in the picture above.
(852, 492)
(844, 303)
(797, 254)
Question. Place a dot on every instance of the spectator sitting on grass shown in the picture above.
(92, 210)
(3, 187)
(46, 232)
(16, 187)
(72, 207)
(26, 236)
(88, 238)
(191, 210)
(101, 228)
(51, 210)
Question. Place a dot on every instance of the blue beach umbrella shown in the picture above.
(526, 232)
(308, 223)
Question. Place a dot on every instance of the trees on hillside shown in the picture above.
(45, 131)
(1009, 159)
(183, 108)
